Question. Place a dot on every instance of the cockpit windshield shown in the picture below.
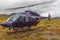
(13, 17)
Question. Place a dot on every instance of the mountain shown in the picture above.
(4, 16)
(56, 18)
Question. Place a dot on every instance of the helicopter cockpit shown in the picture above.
(13, 17)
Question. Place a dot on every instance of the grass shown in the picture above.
(53, 29)
(54, 39)
(52, 23)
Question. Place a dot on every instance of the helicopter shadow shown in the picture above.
(24, 33)
(21, 31)
(26, 30)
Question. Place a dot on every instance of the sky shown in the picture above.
(46, 6)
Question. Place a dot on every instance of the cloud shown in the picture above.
(43, 8)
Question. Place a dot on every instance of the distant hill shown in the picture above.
(3, 16)
(56, 18)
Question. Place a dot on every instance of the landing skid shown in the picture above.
(19, 28)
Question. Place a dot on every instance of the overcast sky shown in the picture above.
(46, 6)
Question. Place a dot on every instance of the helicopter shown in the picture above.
(27, 18)
(23, 19)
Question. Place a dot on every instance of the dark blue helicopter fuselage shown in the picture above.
(27, 18)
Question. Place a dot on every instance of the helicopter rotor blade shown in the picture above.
(23, 7)
(29, 5)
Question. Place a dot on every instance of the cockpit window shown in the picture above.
(13, 17)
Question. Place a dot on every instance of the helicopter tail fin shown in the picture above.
(48, 18)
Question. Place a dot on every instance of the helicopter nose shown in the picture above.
(5, 24)
(2, 24)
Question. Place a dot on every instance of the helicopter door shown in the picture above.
(22, 19)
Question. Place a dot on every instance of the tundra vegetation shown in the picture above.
(51, 31)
